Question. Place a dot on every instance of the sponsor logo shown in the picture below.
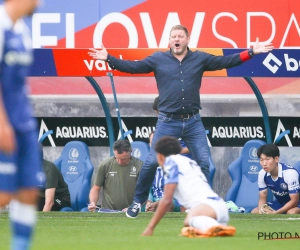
(253, 153)
(237, 132)
(253, 168)
(12, 58)
(112, 173)
(273, 63)
(7, 168)
(282, 132)
(294, 185)
(279, 193)
(136, 153)
(80, 132)
(45, 132)
(133, 171)
(73, 154)
(72, 169)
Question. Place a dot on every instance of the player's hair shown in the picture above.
(180, 27)
(168, 145)
(155, 104)
(121, 146)
(270, 150)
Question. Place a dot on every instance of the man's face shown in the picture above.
(268, 163)
(123, 158)
(178, 41)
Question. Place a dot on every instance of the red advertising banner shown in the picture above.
(77, 62)
(212, 24)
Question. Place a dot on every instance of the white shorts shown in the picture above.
(220, 208)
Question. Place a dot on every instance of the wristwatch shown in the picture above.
(251, 52)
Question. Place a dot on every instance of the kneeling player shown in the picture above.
(281, 179)
(208, 214)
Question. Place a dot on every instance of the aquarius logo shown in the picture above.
(45, 132)
(73, 154)
(282, 132)
(127, 133)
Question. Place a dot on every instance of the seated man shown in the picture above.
(118, 176)
(281, 179)
(208, 215)
(55, 194)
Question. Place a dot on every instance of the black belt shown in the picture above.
(180, 116)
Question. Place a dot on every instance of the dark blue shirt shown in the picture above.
(178, 82)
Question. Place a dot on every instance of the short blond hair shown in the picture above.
(180, 27)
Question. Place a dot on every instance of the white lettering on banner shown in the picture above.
(264, 14)
(214, 24)
(292, 20)
(81, 132)
(100, 65)
(143, 132)
(115, 17)
(296, 132)
(291, 63)
(280, 128)
(70, 30)
(38, 41)
(237, 132)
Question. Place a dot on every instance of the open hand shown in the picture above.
(261, 48)
(99, 54)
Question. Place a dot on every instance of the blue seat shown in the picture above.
(297, 166)
(244, 174)
(140, 150)
(77, 169)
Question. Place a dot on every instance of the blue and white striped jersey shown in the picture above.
(158, 184)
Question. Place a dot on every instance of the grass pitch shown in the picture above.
(63, 231)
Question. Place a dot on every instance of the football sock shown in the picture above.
(202, 222)
(22, 219)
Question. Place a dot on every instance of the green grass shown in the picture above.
(57, 230)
